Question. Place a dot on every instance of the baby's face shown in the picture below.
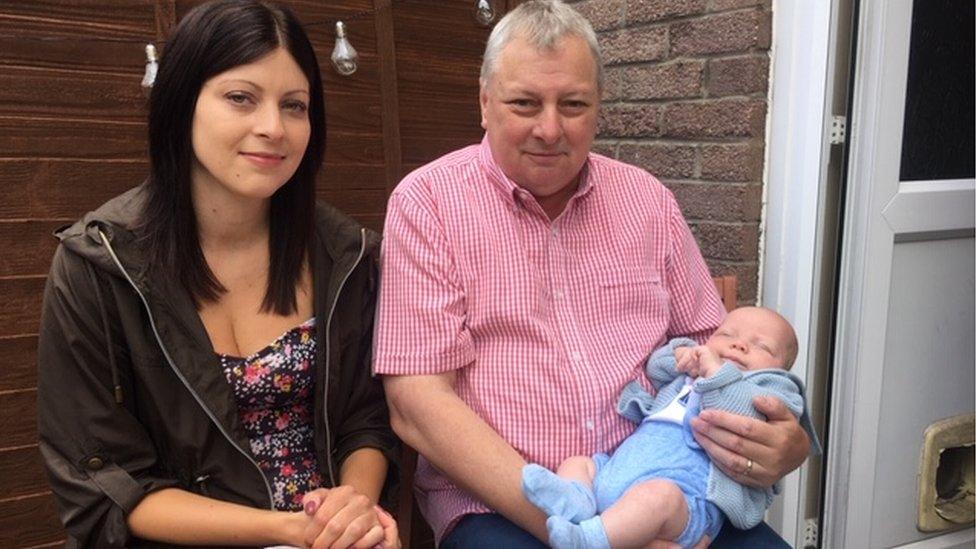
(754, 338)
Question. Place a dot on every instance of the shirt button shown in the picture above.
(95, 463)
(558, 294)
(589, 424)
(576, 356)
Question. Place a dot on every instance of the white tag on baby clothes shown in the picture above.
(674, 412)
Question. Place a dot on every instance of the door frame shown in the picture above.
(801, 105)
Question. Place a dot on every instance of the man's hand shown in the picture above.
(774, 447)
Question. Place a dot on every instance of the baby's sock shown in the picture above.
(557, 496)
(588, 534)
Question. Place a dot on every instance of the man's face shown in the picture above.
(539, 109)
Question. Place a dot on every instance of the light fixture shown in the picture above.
(484, 13)
(344, 56)
(152, 67)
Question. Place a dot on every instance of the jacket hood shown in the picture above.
(116, 218)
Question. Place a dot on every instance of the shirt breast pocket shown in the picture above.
(633, 304)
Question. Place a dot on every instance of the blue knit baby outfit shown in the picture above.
(663, 447)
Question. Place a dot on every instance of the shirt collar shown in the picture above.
(515, 194)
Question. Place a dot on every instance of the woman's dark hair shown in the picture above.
(210, 39)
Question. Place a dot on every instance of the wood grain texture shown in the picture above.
(63, 189)
(20, 305)
(455, 118)
(373, 222)
(51, 93)
(69, 53)
(352, 176)
(165, 17)
(52, 544)
(356, 202)
(21, 472)
(81, 18)
(352, 113)
(439, 51)
(20, 363)
(423, 150)
(23, 138)
(354, 148)
(390, 96)
(28, 246)
(18, 418)
(30, 521)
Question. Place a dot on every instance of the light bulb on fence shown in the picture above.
(152, 67)
(344, 56)
(484, 12)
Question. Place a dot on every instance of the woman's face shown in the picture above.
(251, 127)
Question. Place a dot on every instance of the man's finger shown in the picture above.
(732, 464)
(791, 439)
(749, 429)
(772, 407)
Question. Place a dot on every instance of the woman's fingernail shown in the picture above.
(310, 507)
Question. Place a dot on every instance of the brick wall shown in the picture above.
(686, 100)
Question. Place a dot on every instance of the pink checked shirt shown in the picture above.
(544, 321)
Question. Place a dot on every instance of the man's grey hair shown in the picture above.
(543, 23)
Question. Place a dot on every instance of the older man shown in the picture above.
(525, 281)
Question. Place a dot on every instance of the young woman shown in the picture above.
(204, 356)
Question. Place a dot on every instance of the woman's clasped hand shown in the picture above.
(341, 518)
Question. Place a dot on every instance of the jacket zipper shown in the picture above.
(328, 330)
(172, 365)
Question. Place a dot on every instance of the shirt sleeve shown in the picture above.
(421, 318)
(696, 309)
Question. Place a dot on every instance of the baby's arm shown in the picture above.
(730, 389)
(662, 366)
(698, 361)
(686, 361)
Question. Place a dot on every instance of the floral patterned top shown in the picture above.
(274, 389)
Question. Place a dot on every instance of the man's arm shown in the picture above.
(429, 416)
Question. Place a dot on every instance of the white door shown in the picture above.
(904, 355)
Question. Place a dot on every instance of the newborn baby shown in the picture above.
(659, 483)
